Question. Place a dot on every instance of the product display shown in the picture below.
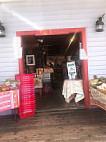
(99, 84)
(9, 85)
(98, 92)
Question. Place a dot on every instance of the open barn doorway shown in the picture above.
(50, 49)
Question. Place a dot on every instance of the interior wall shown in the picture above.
(32, 15)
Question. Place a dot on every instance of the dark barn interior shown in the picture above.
(49, 48)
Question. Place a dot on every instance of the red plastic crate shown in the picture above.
(27, 95)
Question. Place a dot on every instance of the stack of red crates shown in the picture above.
(27, 95)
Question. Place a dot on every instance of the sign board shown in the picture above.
(83, 55)
(17, 47)
(9, 100)
(71, 69)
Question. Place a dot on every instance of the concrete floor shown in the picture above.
(58, 126)
(54, 101)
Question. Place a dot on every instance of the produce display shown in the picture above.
(9, 85)
(99, 84)
(102, 88)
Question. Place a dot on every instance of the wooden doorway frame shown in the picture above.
(59, 32)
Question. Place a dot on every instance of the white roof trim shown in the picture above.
(9, 0)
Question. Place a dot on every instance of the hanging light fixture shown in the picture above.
(100, 24)
(2, 30)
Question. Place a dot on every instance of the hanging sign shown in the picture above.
(18, 53)
(17, 47)
(83, 55)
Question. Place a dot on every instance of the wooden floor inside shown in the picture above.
(55, 101)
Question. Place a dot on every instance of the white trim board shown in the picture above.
(10, 0)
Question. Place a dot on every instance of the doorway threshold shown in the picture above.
(61, 109)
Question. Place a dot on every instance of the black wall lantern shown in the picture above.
(2, 30)
(100, 24)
